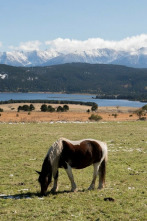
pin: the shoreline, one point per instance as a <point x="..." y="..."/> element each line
<point x="89" y="94"/>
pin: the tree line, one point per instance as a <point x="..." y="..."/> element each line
<point x="49" y="108"/>
<point x="43" y="108"/>
<point x="11" y="101"/>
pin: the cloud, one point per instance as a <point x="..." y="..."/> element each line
<point x="0" y="44"/>
<point x="28" y="46"/>
<point x="127" y="44"/>
<point x="130" y="44"/>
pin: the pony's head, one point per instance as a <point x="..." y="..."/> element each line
<point x="44" y="181"/>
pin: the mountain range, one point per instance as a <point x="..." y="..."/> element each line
<point x="136" y="58"/>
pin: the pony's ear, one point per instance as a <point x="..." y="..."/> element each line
<point x="38" y="172"/>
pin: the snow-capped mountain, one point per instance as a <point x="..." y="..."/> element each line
<point x="136" y="58"/>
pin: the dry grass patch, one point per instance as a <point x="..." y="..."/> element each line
<point x="75" y="113"/>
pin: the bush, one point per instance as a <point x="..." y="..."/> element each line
<point x="26" y="107"/>
<point x="44" y="107"/>
<point x="32" y="107"/>
<point x="60" y="109"/>
<point x="114" y="115"/>
<point x="144" y="108"/>
<point x="94" y="107"/>
<point x="139" y="113"/>
<point x="142" y="118"/>
<point x="95" y="117"/>
<point x="1" y="110"/>
<point x="66" y="107"/>
<point x="50" y="109"/>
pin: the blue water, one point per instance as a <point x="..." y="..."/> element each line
<point x="70" y="97"/>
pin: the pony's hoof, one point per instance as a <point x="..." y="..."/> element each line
<point x="100" y="187"/>
<point x="74" y="190"/>
<point x="91" y="188"/>
<point x="53" y="191"/>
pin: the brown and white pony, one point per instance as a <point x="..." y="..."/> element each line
<point x="69" y="154"/>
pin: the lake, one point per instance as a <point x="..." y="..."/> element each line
<point x="70" y="97"/>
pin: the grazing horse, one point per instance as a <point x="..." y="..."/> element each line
<point x="69" y="154"/>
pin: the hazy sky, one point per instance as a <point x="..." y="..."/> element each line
<point x="40" y="24"/>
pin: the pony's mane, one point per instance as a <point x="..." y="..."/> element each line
<point x="55" y="151"/>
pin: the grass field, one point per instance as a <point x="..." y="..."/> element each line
<point x="23" y="147"/>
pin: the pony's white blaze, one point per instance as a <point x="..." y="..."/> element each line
<point x="75" y="154"/>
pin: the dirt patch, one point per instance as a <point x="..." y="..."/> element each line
<point x="75" y="113"/>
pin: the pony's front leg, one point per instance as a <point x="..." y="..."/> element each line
<point x="95" y="174"/>
<point x="55" y="186"/>
<point x="71" y="178"/>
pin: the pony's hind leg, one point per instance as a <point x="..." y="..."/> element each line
<point x="95" y="173"/>
<point x="71" y="178"/>
<point x="102" y="173"/>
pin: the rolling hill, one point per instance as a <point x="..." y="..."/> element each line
<point x="101" y="79"/>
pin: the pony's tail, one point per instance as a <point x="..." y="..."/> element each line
<point x="102" y="169"/>
<point x="102" y="174"/>
<point x="106" y="153"/>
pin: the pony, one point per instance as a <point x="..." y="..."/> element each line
<point x="69" y="154"/>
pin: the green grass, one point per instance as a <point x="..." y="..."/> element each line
<point x="23" y="148"/>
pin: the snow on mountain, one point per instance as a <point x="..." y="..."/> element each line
<point x="15" y="58"/>
<point x="3" y="76"/>
<point x="137" y="58"/>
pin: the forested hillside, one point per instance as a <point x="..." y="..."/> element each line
<point x="101" y="79"/>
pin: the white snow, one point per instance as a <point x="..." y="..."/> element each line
<point x="97" y="55"/>
<point x="3" y="76"/>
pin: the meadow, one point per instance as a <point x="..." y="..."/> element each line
<point x="23" y="147"/>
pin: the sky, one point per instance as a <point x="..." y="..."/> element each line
<point x="72" y="24"/>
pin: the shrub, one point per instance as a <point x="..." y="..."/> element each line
<point x="94" y="107"/>
<point x="95" y="117"/>
<point x="66" y="107"/>
<point x="50" y="109"/>
<point x="144" y="108"/>
<point x="32" y="107"/>
<point x="26" y="107"/>
<point x="142" y="118"/>
<point x="114" y="115"/>
<point x="139" y="113"/>
<point x="60" y="109"/>
<point x="44" y="107"/>
<point x="1" y="110"/>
